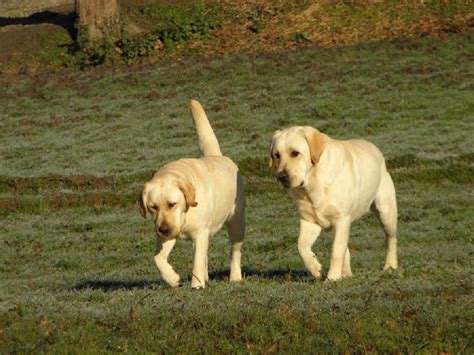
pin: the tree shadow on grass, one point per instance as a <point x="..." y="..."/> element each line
<point x="65" y="20"/>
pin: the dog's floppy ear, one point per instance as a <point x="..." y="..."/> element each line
<point x="316" y="142"/>
<point x="189" y="193"/>
<point x="275" y="136"/>
<point x="270" y="159"/>
<point x="141" y="204"/>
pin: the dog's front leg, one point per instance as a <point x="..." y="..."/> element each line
<point x="339" y="247"/>
<point x="309" y="232"/>
<point x="163" y="250"/>
<point x="200" y="244"/>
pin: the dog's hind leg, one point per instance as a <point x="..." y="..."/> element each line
<point x="385" y="209"/>
<point x="206" y="272"/>
<point x="309" y="232"/>
<point x="346" y="267"/>
<point x="236" y="229"/>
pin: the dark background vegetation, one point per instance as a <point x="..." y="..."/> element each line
<point x="157" y="30"/>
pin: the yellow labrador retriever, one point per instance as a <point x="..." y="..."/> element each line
<point x="192" y="199"/>
<point x="333" y="183"/>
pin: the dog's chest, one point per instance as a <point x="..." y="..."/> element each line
<point x="184" y="236"/>
<point x="307" y="210"/>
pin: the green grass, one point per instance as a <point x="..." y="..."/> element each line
<point x="76" y="268"/>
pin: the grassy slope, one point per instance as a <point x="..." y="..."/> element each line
<point x="76" y="271"/>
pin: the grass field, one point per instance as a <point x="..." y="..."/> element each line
<point x="76" y="268"/>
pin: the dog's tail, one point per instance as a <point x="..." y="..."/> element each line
<point x="207" y="139"/>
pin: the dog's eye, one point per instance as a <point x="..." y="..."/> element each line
<point x="171" y="205"/>
<point x="154" y="207"/>
<point x="277" y="155"/>
<point x="294" y="153"/>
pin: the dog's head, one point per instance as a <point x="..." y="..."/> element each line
<point x="167" y="198"/>
<point x="294" y="151"/>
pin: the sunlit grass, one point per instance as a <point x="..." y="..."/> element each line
<point x="76" y="268"/>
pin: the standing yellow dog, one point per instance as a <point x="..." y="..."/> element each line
<point x="334" y="182"/>
<point x="192" y="199"/>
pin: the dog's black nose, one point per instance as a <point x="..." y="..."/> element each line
<point x="284" y="178"/>
<point x="164" y="230"/>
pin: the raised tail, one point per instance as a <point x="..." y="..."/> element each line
<point x="207" y="139"/>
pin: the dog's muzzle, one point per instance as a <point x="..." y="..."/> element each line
<point x="163" y="230"/>
<point x="284" y="178"/>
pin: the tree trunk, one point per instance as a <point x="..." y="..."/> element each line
<point x="100" y="18"/>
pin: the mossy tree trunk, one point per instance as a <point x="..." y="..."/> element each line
<point x="99" y="19"/>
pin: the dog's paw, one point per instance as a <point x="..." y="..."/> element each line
<point x="317" y="274"/>
<point x="197" y="283"/>
<point x="316" y="271"/>
<point x="334" y="276"/>
<point x="391" y="261"/>
<point x="197" y="286"/>
<point x="346" y="273"/>
<point x="236" y="276"/>
<point x="172" y="279"/>
<point x="389" y="266"/>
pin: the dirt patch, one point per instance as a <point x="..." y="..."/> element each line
<point x="19" y="41"/>
<point x="451" y="173"/>
<point x="96" y="200"/>
<point x="83" y="181"/>
<point x="52" y="121"/>
<point x="25" y="40"/>
<point x="268" y="26"/>
<point x="9" y="204"/>
<point x="56" y="182"/>
<point x="58" y="201"/>
<point x="257" y="167"/>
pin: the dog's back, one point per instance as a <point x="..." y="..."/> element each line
<point x="207" y="139"/>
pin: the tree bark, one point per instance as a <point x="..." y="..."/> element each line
<point x="100" y="18"/>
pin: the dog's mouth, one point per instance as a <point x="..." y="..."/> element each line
<point x="165" y="237"/>
<point x="286" y="185"/>
<point x="165" y="233"/>
<point x="284" y="179"/>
